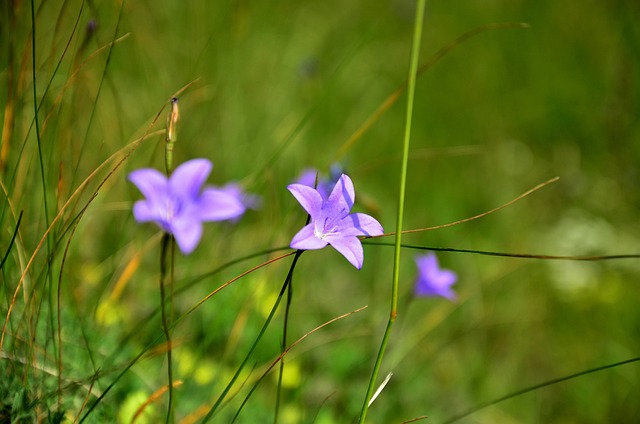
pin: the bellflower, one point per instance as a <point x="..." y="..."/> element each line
<point x="331" y="221"/>
<point x="432" y="280"/>
<point x="179" y="205"/>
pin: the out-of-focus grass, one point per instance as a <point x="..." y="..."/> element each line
<point x="501" y="113"/>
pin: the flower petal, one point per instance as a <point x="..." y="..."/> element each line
<point x="151" y="183"/>
<point x="189" y="177"/>
<point x="308" y="197"/>
<point x="359" y="224"/>
<point x="427" y="264"/>
<point x="446" y="278"/>
<point x="218" y="205"/>
<point x="340" y="201"/>
<point x="145" y="211"/>
<point x="306" y="239"/>
<point x="349" y="247"/>
<point x="424" y="288"/>
<point x="187" y="232"/>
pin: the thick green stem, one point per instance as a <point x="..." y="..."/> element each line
<point x="413" y="68"/>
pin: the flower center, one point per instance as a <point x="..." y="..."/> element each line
<point x="173" y="209"/>
<point x="322" y="231"/>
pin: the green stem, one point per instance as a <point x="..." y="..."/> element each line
<point x="536" y="387"/>
<point x="284" y="347"/>
<point x="167" y="242"/>
<point x="413" y="68"/>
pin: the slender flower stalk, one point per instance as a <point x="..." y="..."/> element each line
<point x="413" y="68"/>
<point x="166" y="255"/>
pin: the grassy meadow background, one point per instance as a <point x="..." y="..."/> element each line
<point x="280" y="86"/>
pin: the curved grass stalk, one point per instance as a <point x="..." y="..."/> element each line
<point x="515" y="255"/>
<point x="481" y="215"/>
<point x="536" y="387"/>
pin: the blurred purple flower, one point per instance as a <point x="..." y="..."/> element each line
<point x="179" y="205"/>
<point x="331" y="223"/>
<point x="325" y="185"/>
<point x="432" y="280"/>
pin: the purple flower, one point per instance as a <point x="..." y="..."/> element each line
<point x="179" y="205"/>
<point x="433" y="281"/>
<point x="325" y="184"/>
<point x="331" y="223"/>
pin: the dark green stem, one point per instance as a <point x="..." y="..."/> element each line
<point x="284" y="348"/>
<point x="514" y="255"/>
<point x="167" y="251"/>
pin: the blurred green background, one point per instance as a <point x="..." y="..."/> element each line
<point x="280" y="86"/>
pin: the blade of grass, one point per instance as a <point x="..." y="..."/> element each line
<point x="514" y="255"/>
<point x="43" y="178"/>
<point x="536" y="387"/>
<point x="13" y="239"/>
<point x="413" y="67"/>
